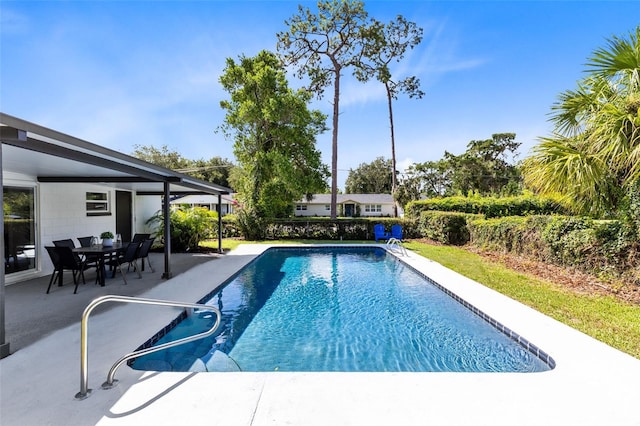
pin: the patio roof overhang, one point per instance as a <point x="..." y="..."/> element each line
<point x="52" y="156"/>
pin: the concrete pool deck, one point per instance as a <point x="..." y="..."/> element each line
<point x="592" y="384"/>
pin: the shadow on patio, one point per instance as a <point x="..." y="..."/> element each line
<point x="31" y="314"/>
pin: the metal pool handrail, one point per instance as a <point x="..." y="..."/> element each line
<point x="84" y="353"/>
<point x="396" y="243"/>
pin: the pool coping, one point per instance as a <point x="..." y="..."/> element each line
<point x="592" y="383"/>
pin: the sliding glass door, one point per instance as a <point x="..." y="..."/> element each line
<point x="19" y="229"/>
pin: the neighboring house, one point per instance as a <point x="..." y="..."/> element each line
<point x="207" y="201"/>
<point x="56" y="186"/>
<point x="348" y="205"/>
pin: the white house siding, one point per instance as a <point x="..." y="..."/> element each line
<point x="63" y="215"/>
<point x="145" y="207"/>
<point x="313" y="210"/>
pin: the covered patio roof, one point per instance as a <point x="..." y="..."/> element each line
<point x="52" y="156"/>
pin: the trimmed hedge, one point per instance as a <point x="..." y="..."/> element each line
<point x="488" y="206"/>
<point x="446" y="227"/>
<point x="318" y="228"/>
<point x="608" y="248"/>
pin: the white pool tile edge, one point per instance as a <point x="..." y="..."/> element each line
<point x="592" y="384"/>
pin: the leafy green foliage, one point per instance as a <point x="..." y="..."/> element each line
<point x="215" y="170"/>
<point x="445" y="227"/>
<point x="488" y="206"/>
<point x="274" y="136"/>
<point x="189" y="226"/>
<point x="370" y="178"/>
<point x="484" y="168"/>
<point x="593" y="156"/>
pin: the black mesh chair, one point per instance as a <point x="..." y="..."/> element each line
<point x="138" y="238"/>
<point x="143" y="253"/>
<point x="128" y="258"/>
<point x="90" y="260"/>
<point x="63" y="258"/>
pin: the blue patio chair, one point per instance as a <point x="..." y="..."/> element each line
<point x="396" y="232"/>
<point x="379" y="233"/>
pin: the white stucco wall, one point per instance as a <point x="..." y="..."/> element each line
<point x="145" y="207"/>
<point x="63" y="215"/>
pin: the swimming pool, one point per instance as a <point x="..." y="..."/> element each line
<point x="340" y="309"/>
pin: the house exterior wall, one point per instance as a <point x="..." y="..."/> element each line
<point x="145" y="207"/>
<point x="63" y="215"/>
<point x="320" y="210"/>
<point x="313" y="210"/>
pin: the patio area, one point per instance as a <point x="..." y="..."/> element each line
<point x="592" y="384"/>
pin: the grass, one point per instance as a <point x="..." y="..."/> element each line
<point x="605" y="318"/>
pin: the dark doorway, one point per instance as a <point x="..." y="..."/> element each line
<point x="349" y="210"/>
<point x="123" y="214"/>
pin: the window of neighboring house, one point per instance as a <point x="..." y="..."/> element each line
<point x="300" y="207"/>
<point x="327" y="207"/>
<point x="98" y="204"/>
<point x="373" y="208"/>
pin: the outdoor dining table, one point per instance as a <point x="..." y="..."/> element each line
<point x="104" y="252"/>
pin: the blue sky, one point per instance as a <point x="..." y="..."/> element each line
<point x="120" y="73"/>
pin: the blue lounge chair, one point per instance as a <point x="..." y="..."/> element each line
<point x="379" y="232"/>
<point x="396" y="232"/>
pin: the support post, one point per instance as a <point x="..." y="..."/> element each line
<point x="166" y="210"/>
<point x="4" y="345"/>
<point x="220" y="223"/>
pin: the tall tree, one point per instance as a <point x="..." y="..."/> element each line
<point x="274" y="136"/>
<point x="321" y="45"/>
<point x="592" y="157"/>
<point x="385" y="44"/>
<point x="370" y="178"/>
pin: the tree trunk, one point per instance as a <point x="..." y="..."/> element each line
<point x="393" y="152"/>
<point x="334" y="147"/>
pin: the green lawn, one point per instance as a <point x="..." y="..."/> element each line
<point x="605" y="318"/>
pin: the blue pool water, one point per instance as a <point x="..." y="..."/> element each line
<point x="337" y="309"/>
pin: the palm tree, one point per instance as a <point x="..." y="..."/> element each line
<point x="592" y="158"/>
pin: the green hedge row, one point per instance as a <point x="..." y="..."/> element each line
<point x="324" y="228"/>
<point x="445" y="227"/>
<point x="488" y="206"/>
<point x="602" y="247"/>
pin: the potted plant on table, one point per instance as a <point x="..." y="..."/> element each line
<point x="107" y="238"/>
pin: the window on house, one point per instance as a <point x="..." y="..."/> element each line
<point x="98" y="204"/>
<point x="327" y="207"/>
<point x="373" y="208"/>
<point x="19" y="229"/>
<point x="300" y="207"/>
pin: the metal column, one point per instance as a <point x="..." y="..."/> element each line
<point x="166" y="210"/>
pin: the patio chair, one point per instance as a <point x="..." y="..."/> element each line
<point x="68" y="243"/>
<point x="92" y="260"/>
<point x="129" y="258"/>
<point x="379" y="233"/>
<point x="396" y="232"/>
<point x="63" y="258"/>
<point x="143" y="253"/>
<point x="138" y="238"/>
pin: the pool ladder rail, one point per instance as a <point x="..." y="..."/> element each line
<point x="111" y="382"/>
<point x="395" y="245"/>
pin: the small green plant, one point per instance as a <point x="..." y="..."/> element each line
<point x="189" y="226"/>
<point x="106" y="234"/>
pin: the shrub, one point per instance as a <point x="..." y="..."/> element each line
<point x="189" y="226"/>
<point x="516" y="234"/>
<point x="445" y="227"/>
<point x="488" y="206"/>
